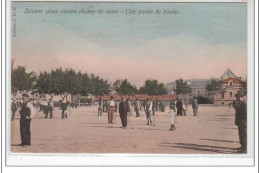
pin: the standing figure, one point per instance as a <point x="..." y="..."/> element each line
<point x="179" y="107"/>
<point x="116" y="105"/>
<point x="27" y="111"/>
<point x="50" y="108"/>
<point x="13" y="109"/>
<point x="195" y="106"/>
<point x="184" y="108"/>
<point x="63" y="108"/>
<point x="111" y="110"/>
<point x="123" y="109"/>
<point x="171" y="114"/>
<point x="148" y="109"/>
<point x="137" y="106"/>
<point x="241" y="121"/>
<point x="100" y="105"/>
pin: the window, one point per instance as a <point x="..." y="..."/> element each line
<point x="230" y="83"/>
<point x="221" y="95"/>
<point x="230" y="94"/>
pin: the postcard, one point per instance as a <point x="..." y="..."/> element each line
<point x="130" y="83"/>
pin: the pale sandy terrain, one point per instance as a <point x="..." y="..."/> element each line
<point x="212" y="132"/>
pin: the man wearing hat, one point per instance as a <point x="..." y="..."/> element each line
<point x="26" y="112"/>
<point x="241" y="120"/>
<point x="148" y="110"/>
<point x="13" y="109"/>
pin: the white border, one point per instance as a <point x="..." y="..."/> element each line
<point x="131" y="159"/>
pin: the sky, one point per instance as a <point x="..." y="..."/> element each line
<point x="201" y="41"/>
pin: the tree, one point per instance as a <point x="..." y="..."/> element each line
<point x="152" y="87"/>
<point x="98" y="86"/>
<point x="182" y="87"/>
<point x="124" y="87"/>
<point x="213" y="86"/>
<point x="21" y="80"/>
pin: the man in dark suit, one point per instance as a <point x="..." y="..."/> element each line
<point x="241" y="121"/>
<point x="179" y="107"/>
<point x="123" y="109"/>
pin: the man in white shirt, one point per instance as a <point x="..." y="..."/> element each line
<point x="111" y="109"/>
<point x="148" y="109"/>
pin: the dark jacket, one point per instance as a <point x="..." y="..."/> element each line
<point x="25" y="111"/>
<point x="123" y="108"/>
<point x="179" y="104"/>
<point x="241" y="112"/>
<point x="13" y="107"/>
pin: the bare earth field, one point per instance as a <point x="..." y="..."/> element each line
<point x="212" y="132"/>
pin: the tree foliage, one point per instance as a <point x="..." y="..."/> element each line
<point x="124" y="87"/>
<point x="21" y="80"/>
<point x="213" y="86"/>
<point x="152" y="87"/>
<point x="182" y="87"/>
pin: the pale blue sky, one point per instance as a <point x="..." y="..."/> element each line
<point x="201" y="37"/>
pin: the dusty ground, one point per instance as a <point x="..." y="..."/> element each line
<point x="212" y="132"/>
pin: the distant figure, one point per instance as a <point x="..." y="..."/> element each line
<point x="27" y="111"/>
<point x="66" y="112"/>
<point x="111" y="110"/>
<point x="123" y="109"/>
<point x="100" y="105"/>
<point x="195" y="106"/>
<point x="179" y="107"/>
<point x="63" y="108"/>
<point x="13" y="109"/>
<point x="50" y="108"/>
<point x="116" y="105"/>
<point x="184" y="108"/>
<point x="130" y="107"/>
<point x="45" y="107"/>
<point x="137" y="106"/>
<point x="171" y="115"/>
<point x="241" y="121"/>
<point x="148" y="109"/>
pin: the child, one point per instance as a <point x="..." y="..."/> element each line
<point x="171" y="114"/>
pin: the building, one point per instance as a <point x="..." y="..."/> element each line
<point x="226" y="95"/>
<point x="197" y="86"/>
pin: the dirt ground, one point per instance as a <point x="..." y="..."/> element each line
<point x="211" y="132"/>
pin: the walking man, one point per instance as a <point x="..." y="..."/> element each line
<point x="111" y="110"/>
<point x="123" y="109"/>
<point x="241" y="121"/>
<point x="27" y="111"/>
<point x="63" y="108"/>
<point x="195" y="106"/>
<point x="13" y="109"/>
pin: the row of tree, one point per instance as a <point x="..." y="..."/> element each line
<point x="63" y="82"/>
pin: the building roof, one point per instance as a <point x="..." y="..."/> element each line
<point x="234" y="80"/>
<point x="228" y="74"/>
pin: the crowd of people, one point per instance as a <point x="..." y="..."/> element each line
<point x="149" y="106"/>
<point x="124" y="107"/>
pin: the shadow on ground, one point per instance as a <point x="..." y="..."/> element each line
<point x="197" y="147"/>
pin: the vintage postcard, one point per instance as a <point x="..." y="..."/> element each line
<point x="130" y="83"/>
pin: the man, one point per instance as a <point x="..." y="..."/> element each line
<point x="100" y="105"/>
<point x="195" y="106"/>
<point x="148" y="109"/>
<point x="50" y="108"/>
<point x="63" y="108"/>
<point x="111" y="110"/>
<point x="137" y="106"/>
<point x="45" y="107"/>
<point x="13" y="109"/>
<point x="123" y="109"/>
<point x="179" y="107"/>
<point x="26" y="112"/>
<point x="241" y="121"/>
